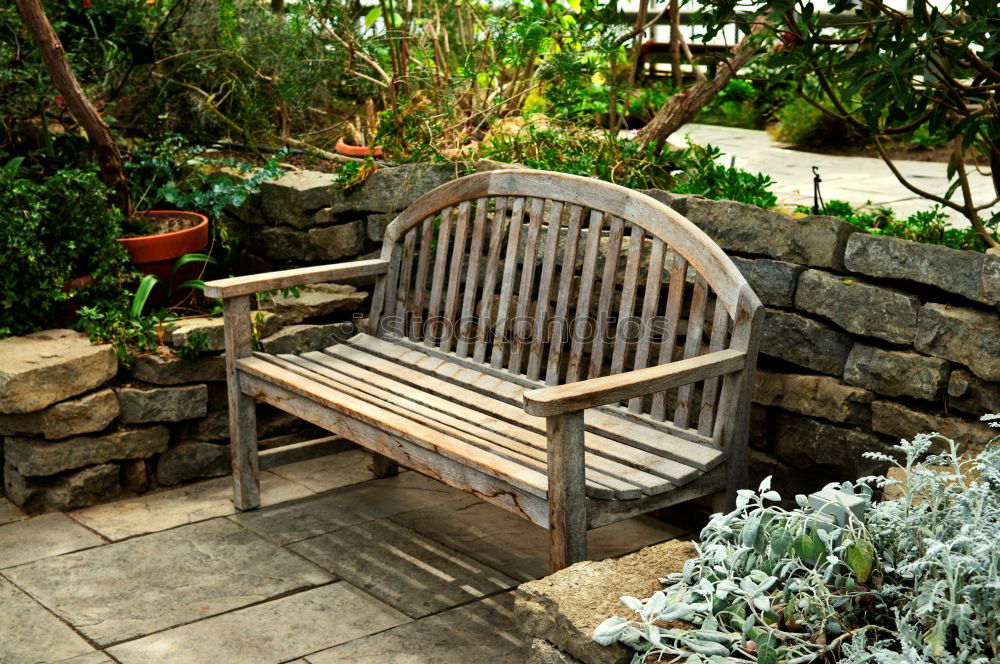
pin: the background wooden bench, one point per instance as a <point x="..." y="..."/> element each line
<point x="568" y="349"/>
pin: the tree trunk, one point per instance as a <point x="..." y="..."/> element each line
<point x="54" y="57"/>
<point x="675" y="43"/>
<point x="683" y="106"/>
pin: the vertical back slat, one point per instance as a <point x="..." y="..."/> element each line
<point x="627" y="306"/>
<point x="582" y="315"/>
<point x="544" y="286"/>
<point x="522" y="327"/>
<point x="507" y="282"/>
<point x="440" y="269"/>
<point x="612" y="255"/>
<point x="383" y="297"/>
<point x="392" y="324"/>
<point x="489" y="281"/>
<point x="455" y="276"/>
<point x="710" y="389"/>
<point x="560" y="325"/>
<point x="672" y="318"/>
<point x="692" y="347"/>
<point x="472" y="278"/>
<point x="403" y="292"/>
<point x="650" y="301"/>
<point x="420" y="285"/>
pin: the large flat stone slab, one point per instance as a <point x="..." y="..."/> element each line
<point x="208" y="331"/>
<point x="517" y="547"/>
<point x="161" y="510"/>
<point x="66" y="491"/>
<point x="329" y="472"/>
<point x="352" y="505"/>
<point x="40" y="369"/>
<point x="315" y="301"/>
<point x="29" y="634"/>
<point x="86" y="414"/>
<point x="409" y="572"/>
<point x="34" y="457"/>
<point x="480" y="632"/>
<point x="162" y="404"/>
<point x="128" y="589"/>
<point x="42" y="537"/>
<point x="564" y="608"/>
<point x="273" y="632"/>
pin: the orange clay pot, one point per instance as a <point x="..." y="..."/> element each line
<point x="171" y="245"/>
<point x="358" y="151"/>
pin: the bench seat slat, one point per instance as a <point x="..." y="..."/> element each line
<point x="445" y="400"/>
<point x="665" y="470"/>
<point x="600" y="486"/>
<point x="636" y="432"/>
<point x="448" y="446"/>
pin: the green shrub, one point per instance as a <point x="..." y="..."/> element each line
<point x="801" y="123"/>
<point x="735" y="106"/>
<point x="927" y="226"/>
<point x="593" y="153"/>
<point x="703" y="175"/>
<point x="52" y="231"/>
<point x="913" y="580"/>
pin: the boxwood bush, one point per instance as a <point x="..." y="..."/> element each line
<point x="54" y="230"/>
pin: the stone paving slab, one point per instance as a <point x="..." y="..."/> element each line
<point x="191" y="503"/>
<point x="269" y="633"/>
<point x="132" y="588"/>
<point x="350" y="506"/>
<point x="410" y="572"/>
<point x="481" y="632"/>
<point x="9" y="511"/>
<point x="329" y="472"/>
<point x="42" y="537"/>
<point x="30" y="634"/>
<point x="517" y="547"/>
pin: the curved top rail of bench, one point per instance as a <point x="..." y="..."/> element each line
<point x="682" y="236"/>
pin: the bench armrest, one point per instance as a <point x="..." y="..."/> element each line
<point x="562" y="399"/>
<point x="254" y="283"/>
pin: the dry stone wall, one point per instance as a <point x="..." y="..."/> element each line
<point x="868" y="339"/>
<point x="79" y="429"/>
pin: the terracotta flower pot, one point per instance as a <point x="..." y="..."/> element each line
<point x="358" y="151"/>
<point x="156" y="254"/>
<point x="192" y="236"/>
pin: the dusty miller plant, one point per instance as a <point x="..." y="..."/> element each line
<point x="915" y="580"/>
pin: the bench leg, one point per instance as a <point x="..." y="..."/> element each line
<point x="567" y="497"/>
<point x="242" y="408"/>
<point x="383" y="466"/>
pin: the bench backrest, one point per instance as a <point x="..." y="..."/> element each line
<point x="558" y="278"/>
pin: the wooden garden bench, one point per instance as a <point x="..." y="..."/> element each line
<point x="525" y="347"/>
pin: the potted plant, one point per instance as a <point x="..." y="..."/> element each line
<point x="154" y="238"/>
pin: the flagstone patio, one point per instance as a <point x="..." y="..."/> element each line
<point x="336" y="567"/>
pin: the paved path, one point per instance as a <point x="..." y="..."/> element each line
<point x="337" y="567"/>
<point x="856" y="180"/>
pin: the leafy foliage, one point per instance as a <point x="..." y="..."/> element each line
<point x="886" y="73"/>
<point x="929" y="226"/>
<point x="915" y="580"/>
<point x="704" y="176"/>
<point x="51" y="232"/>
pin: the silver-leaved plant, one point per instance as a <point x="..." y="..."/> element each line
<point x="915" y="580"/>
